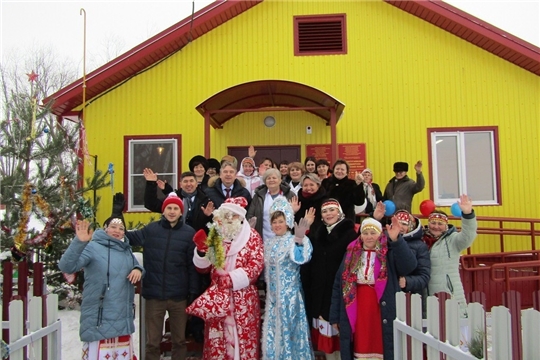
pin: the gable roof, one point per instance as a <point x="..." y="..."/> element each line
<point x="147" y="54"/>
<point x="475" y="31"/>
<point x="174" y="38"/>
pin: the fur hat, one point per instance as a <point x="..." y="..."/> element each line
<point x="401" y="166"/>
<point x="213" y="163"/>
<point x="370" y="223"/>
<point x="282" y="204"/>
<point x="198" y="159"/>
<point x="236" y="205"/>
<point x="173" y="199"/>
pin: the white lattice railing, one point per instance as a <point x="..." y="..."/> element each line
<point x="443" y="331"/>
<point x="26" y="338"/>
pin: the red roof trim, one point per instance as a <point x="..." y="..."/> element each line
<point x="475" y="31"/>
<point x="170" y="40"/>
<point x="147" y="53"/>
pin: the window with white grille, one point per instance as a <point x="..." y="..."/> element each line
<point x="159" y="153"/>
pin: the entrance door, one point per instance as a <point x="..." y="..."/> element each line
<point x="276" y="153"/>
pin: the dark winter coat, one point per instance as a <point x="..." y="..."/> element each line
<point x="194" y="217"/>
<point x="401" y="191"/>
<point x="107" y="263"/>
<point x="347" y="192"/>
<point x="318" y="275"/>
<point x="418" y="280"/>
<point x="168" y="260"/>
<point x="215" y="193"/>
<point x="400" y="262"/>
<point x="314" y="201"/>
<point x="256" y="208"/>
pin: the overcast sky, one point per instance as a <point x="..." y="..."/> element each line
<point x="113" y="27"/>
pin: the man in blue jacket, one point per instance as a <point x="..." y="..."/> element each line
<point x="171" y="279"/>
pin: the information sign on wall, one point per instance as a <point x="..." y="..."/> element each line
<point x="353" y="153"/>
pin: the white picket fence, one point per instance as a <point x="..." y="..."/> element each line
<point x="26" y="337"/>
<point x="428" y="331"/>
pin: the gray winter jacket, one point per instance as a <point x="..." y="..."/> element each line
<point x="445" y="255"/>
<point x="107" y="308"/>
<point x="256" y="208"/>
<point x="401" y="191"/>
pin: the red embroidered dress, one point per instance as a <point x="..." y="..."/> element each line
<point x="364" y="281"/>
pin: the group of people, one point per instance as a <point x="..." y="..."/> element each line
<point x="329" y="283"/>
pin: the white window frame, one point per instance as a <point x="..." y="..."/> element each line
<point x="461" y="164"/>
<point x="130" y="175"/>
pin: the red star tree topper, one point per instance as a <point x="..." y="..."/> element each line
<point x="32" y="76"/>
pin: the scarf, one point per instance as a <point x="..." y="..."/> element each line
<point x="429" y="239"/>
<point x="307" y="195"/>
<point x="329" y="228"/>
<point x="370" y="194"/>
<point x="189" y="200"/>
<point x="353" y="262"/>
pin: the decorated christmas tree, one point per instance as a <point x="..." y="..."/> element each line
<point x="41" y="189"/>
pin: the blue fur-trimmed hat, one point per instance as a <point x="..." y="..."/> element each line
<point x="282" y="204"/>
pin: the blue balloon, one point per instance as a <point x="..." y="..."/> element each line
<point x="390" y="208"/>
<point x="456" y="211"/>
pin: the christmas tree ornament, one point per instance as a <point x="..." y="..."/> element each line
<point x="34" y="191"/>
<point x="32" y="76"/>
<point x="46" y="130"/>
<point x="22" y="226"/>
<point x="84" y="208"/>
<point x="111" y="172"/>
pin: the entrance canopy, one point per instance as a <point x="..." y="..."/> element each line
<point x="269" y="95"/>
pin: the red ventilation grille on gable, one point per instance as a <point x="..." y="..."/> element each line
<point x="320" y="35"/>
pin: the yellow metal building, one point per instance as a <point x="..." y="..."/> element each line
<point x="416" y="80"/>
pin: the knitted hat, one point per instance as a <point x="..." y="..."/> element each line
<point x="401" y="166"/>
<point x="370" y="223"/>
<point x="173" y="199"/>
<point x="281" y="204"/>
<point x="236" y="205"/>
<point x="198" y="159"/>
<point x="368" y="170"/>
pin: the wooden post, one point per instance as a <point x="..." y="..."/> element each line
<point x="512" y="300"/>
<point x="7" y="291"/>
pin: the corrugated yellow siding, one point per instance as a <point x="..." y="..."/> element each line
<point x="401" y="76"/>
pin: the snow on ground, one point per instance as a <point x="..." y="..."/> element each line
<point x="71" y="343"/>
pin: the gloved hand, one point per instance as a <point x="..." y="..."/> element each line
<point x="300" y="230"/>
<point x="118" y="205"/>
<point x="200" y="241"/>
<point x="222" y="279"/>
